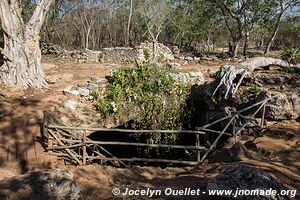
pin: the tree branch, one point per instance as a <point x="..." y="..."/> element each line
<point x="39" y="15"/>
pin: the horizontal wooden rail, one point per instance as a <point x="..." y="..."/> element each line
<point x="213" y="131"/>
<point x="123" y="130"/>
<point x="183" y="162"/>
<point x="64" y="147"/>
<point x="138" y="144"/>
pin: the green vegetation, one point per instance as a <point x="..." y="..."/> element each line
<point x="255" y="91"/>
<point x="292" y="55"/>
<point x="152" y="98"/>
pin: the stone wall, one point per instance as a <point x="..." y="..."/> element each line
<point x="121" y="55"/>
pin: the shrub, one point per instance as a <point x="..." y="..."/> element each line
<point x="153" y="97"/>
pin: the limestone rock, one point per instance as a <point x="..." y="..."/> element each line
<point x="196" y="78"/>
<point x="180" y="77"/>
<point x="283" y="106"/>
<point x="70" y="90"/>
<point x="49" y="185"/>
<point x="162" y="50"/>
<point x="93" y="55"/>
<point x="237" y="152"/>
<point x="70" y="104"/>
<point x="246" y="177"/>
<point x="121" y="55"/>
<point x="85" y="89"/>
<point x="189" y="58"/>
<point x="176" y="51"/>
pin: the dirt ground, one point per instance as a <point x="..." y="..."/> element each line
<point x="21" y="112"/>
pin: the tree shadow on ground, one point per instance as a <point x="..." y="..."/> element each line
<point x="19" y="129"/>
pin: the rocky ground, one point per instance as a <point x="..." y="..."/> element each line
<point x="276" y="152"/>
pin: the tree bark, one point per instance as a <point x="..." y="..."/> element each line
<point x="22" y="54"/>
<point x="129" y="24"/>
<point x="235" y="48"/>
<point x="231" y="76"/>
<point x="283" y="7"/>
<point x="246" y="43"/>
<point x="276" y="29"/>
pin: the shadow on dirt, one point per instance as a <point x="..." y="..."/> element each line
<point x="19" y="129"/>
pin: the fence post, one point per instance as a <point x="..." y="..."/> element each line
<point x="198" y="145"/>
<point x="84" y="149"/>
<point x="45" y="132"/>
<point x="263" y="116"/>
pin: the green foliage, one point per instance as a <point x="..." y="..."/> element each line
<point x="255" y="91"/>
<point x="155" y="100"/>
<point x="147" y="54"/>
<point x="27" y="9"/>
<point x="290" y="70"/>
<point x="291" y="55"/>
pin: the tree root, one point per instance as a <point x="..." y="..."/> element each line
<point x="229" y="73"/>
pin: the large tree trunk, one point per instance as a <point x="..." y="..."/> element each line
<point x="246" y="43"/>
<point x="22" y="64"/>
<point x="234" y="48"/>
<point x="22" y="54"/>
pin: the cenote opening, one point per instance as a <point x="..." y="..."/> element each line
<point x="200" y="117"/>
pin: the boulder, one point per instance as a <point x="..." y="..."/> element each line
<point x="48" y="48"/>
<point x="180" y="77"/>
<point x="237" y="152"/>
<point x="94" y="55"/>
<point x="162" y="51"/>
<point x="49" y="185"/>
<point x="248" y="178"/>
<point x="283" y="106"/>
<point x="70" y="104"/>
<point x="189" y="58"/>
<point x="194" y="78"/>
<point x="70" y="90"/>
<point x="85" y="89"/>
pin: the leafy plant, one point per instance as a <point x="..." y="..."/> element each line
<point x="255" y="91"/>
<point x="155" y="100"/>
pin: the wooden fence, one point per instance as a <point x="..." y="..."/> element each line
<point x="73" y="144"/>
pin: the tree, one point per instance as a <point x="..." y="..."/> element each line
<point x="87" y="13"/>
<point x="282" y="6"/>
<point x="195" y="22"/>
<point x="21" y="52"/>
<point x="129" y="23"/>
<point x="240" y="17"/>
<point x="155" y="13"/>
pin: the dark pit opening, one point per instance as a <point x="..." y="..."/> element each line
<point x="200" y="117"/>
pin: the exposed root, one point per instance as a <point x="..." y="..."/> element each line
<point x="229" y="73"/>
